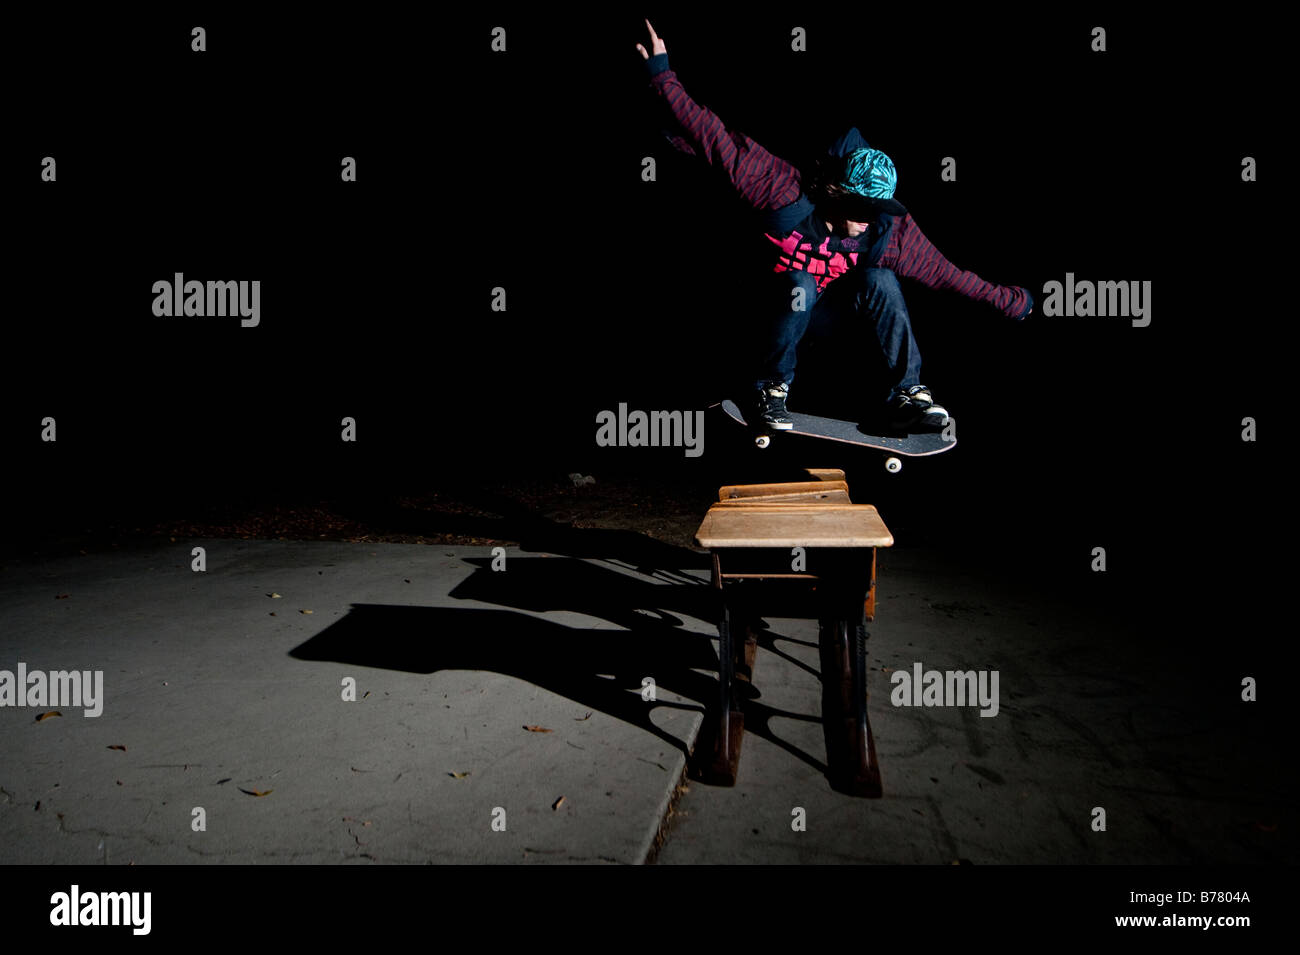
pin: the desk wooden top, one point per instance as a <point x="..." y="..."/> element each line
<point x="801" y="525"/>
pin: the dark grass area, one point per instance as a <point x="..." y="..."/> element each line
<point x="1023" y="538"/>
<point x="483" y="513"/>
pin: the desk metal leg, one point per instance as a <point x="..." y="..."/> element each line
<point x="865" y="779"/>
<point x="850" y="746"/>
<point x="730" y="726"/>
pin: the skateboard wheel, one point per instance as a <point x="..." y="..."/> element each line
<point x="893" y="465"/>
<point x="762" y="441"/>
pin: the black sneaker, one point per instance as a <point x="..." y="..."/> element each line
<point x="769" y="405"/>
<point x="914" y="410"/>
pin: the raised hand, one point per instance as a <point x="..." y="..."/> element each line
<point x="656" y="44"/>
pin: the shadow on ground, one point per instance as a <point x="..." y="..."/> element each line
<point x="599" y="668"/>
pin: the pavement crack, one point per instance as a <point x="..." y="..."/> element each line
<point x="595" y="859"/>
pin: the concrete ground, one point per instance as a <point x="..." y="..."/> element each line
<point x="1097" y="710"/>
<point x="216" y="690"/>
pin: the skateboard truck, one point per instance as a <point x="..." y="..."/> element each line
<point x="892" y="464"/>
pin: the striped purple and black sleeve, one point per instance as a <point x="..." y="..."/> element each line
<point x="765" y="181"/>
<point x="911" y="255"/>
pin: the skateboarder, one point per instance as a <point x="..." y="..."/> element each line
<point x="839" y="245"/>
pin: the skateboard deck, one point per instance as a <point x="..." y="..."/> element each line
<point x="832" y="429"/>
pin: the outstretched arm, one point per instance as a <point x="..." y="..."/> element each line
<point x="765" y="181"/>
<point x="911" y="255"/>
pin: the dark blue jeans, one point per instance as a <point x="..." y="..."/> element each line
<point x="864" y="311"/>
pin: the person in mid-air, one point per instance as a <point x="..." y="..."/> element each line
<point x="839" y="244"/>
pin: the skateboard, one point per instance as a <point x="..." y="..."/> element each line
<point x="896" y="446"/>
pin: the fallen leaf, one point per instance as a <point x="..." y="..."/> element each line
<point x="458" y="775"/>
<point x="538" y="729"/>
<point x="255" y="792"/>
<point x="556" y="805"/>
<point x="274" y="596"/>
<point x="581" y="719"/>
<point x="46" y="716"/>
<point x="306" y="611"/>
<point x="122" y="748"/>
<point x="226" y="780"/>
